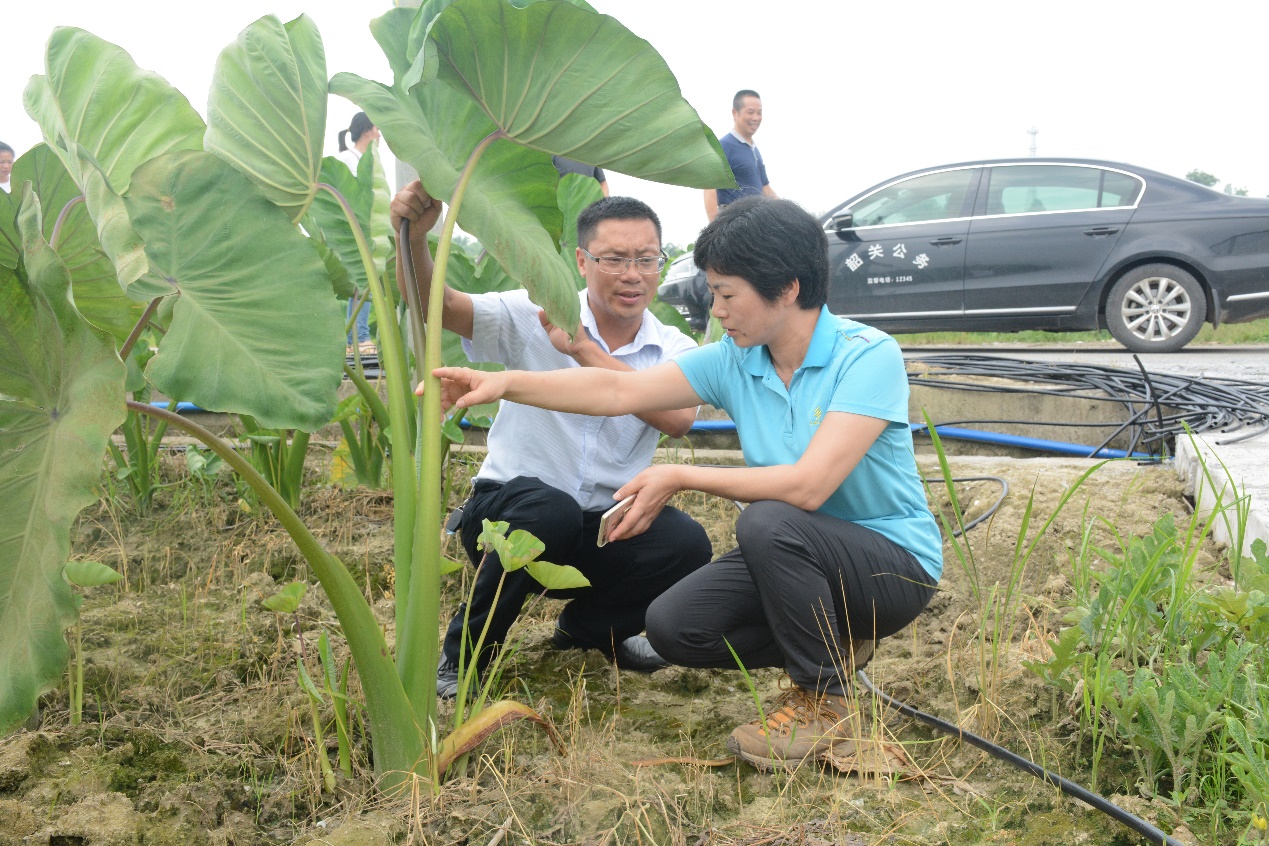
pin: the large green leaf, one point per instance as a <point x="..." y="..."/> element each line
<point x="93" y="281"/>
<point x="103" y="116"/>
<point x="571" y="82"/>
<point x="256" y="329"/>
<point x="510" y="202"/>
<point x="61" y="395"/>
<point x="267" y="109"/>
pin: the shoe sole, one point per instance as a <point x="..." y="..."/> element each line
<point x="766" y="765"/>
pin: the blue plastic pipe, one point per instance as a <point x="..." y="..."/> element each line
<point x="954" y="432"/>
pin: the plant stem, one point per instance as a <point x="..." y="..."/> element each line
<point x="403" y="467"/>
<point x="396" y="737"/>
<point x="56" y="234"/>
<point x="416" y="641"/>
<point x="131" y="341"/>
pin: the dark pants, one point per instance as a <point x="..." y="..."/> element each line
<point x="796" y="590"/>
<point x="625" y="576"/>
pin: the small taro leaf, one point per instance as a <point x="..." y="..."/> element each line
<point x="449" y="565"/>
<point x="61" y="397"/>
<point x="575" y="193"/>
<point x="327" y="212"/>
<point x="492" y="534"/>
<point x="266" y="111"/>
<point x="202" y="464"/>
<point x="255" y="329"/>
<point x="90" y="573"/>
<point x="557" y="576"/>
<point x="511" y="196"/>
<point x="520" y="548"/>
<point x="287" y="600"/>
<point x="451" y="431"/>
<point x="574" y="83"/>
<point x="95" y="105"/>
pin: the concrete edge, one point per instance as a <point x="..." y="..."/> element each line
<point x="1208" y="481"/>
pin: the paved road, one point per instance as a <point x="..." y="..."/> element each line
<point x="1250" y="363"/>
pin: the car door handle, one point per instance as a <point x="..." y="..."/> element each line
<point x="945" y="242"/>
<point x="1101" y="231"/>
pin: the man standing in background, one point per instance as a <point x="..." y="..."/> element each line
<point x="742" y="154"/>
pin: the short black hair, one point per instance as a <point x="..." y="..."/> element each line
<point x="738" y="102"/>
<point x="768" y="243"/>
<point x="613" y="208"/>
<point x="5" y="148"/>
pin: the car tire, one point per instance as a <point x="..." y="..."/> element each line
<point x="1156" y="308"/>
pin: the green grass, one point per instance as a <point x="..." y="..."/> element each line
<point x="1255" y="332"/>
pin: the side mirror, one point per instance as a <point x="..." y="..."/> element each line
<point x="842" y="224"/>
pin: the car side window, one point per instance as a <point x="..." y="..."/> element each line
<point x="1026" y="189"/>
<point x="932" y="196"/>
<point x="1119" y="189"/>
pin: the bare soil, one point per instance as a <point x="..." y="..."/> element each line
<point x="196" y="732"/>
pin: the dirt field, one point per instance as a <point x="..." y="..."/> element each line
<point x="196" y="731"/>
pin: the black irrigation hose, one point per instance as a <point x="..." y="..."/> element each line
<point x="1070" y="788"/>
<point x="1223" y="405"/>
<point x="1004" y="492"/>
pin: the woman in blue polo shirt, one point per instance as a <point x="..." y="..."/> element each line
<point x="838" y="547"/>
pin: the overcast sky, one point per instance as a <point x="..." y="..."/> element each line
<point x="853" y="93"/>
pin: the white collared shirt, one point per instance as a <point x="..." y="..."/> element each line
<point x="586" y="457"/>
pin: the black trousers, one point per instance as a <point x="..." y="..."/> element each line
<point x="798" y="587"/>
<point x="625" y="576"/>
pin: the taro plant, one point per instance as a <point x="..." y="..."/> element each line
<point x="196" y="226"/>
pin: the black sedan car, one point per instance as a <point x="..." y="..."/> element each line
<point x="1052" y="244"/>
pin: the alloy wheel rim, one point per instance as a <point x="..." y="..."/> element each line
<point x="1156" y="309"/>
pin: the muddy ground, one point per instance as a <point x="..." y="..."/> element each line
<point x="195" y="730"/>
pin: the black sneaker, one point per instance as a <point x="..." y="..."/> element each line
<point x="446" y="679"/>
<point x="633" y="653"/>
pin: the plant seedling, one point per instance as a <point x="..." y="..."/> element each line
<point x="84" y="574"/>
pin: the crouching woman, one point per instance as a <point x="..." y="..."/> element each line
<point x="837" y="548"/>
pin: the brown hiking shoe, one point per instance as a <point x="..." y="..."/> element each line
<point x="803" y="726"/>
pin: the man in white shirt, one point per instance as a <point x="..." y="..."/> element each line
<point x="554" y="474"/>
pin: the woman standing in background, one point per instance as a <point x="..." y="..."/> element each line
<point x="362" y="133"/>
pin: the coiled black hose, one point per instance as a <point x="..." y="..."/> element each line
<point x="1222" y="405"/>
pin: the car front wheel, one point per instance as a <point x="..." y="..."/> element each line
<point x="1156" y="308"/>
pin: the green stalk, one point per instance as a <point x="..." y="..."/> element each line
<point x="371" y="396"/>
<point x="293" y="472"/>
<point x="403" y="468"/>
<point x="416" y="643"/>
<point x="396" y="738"/>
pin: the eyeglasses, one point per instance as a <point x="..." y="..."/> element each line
<point x="618" y="264"/>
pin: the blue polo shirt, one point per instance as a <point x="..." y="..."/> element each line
<point x="746" y="165"/>
<point x="849" y="367"/>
